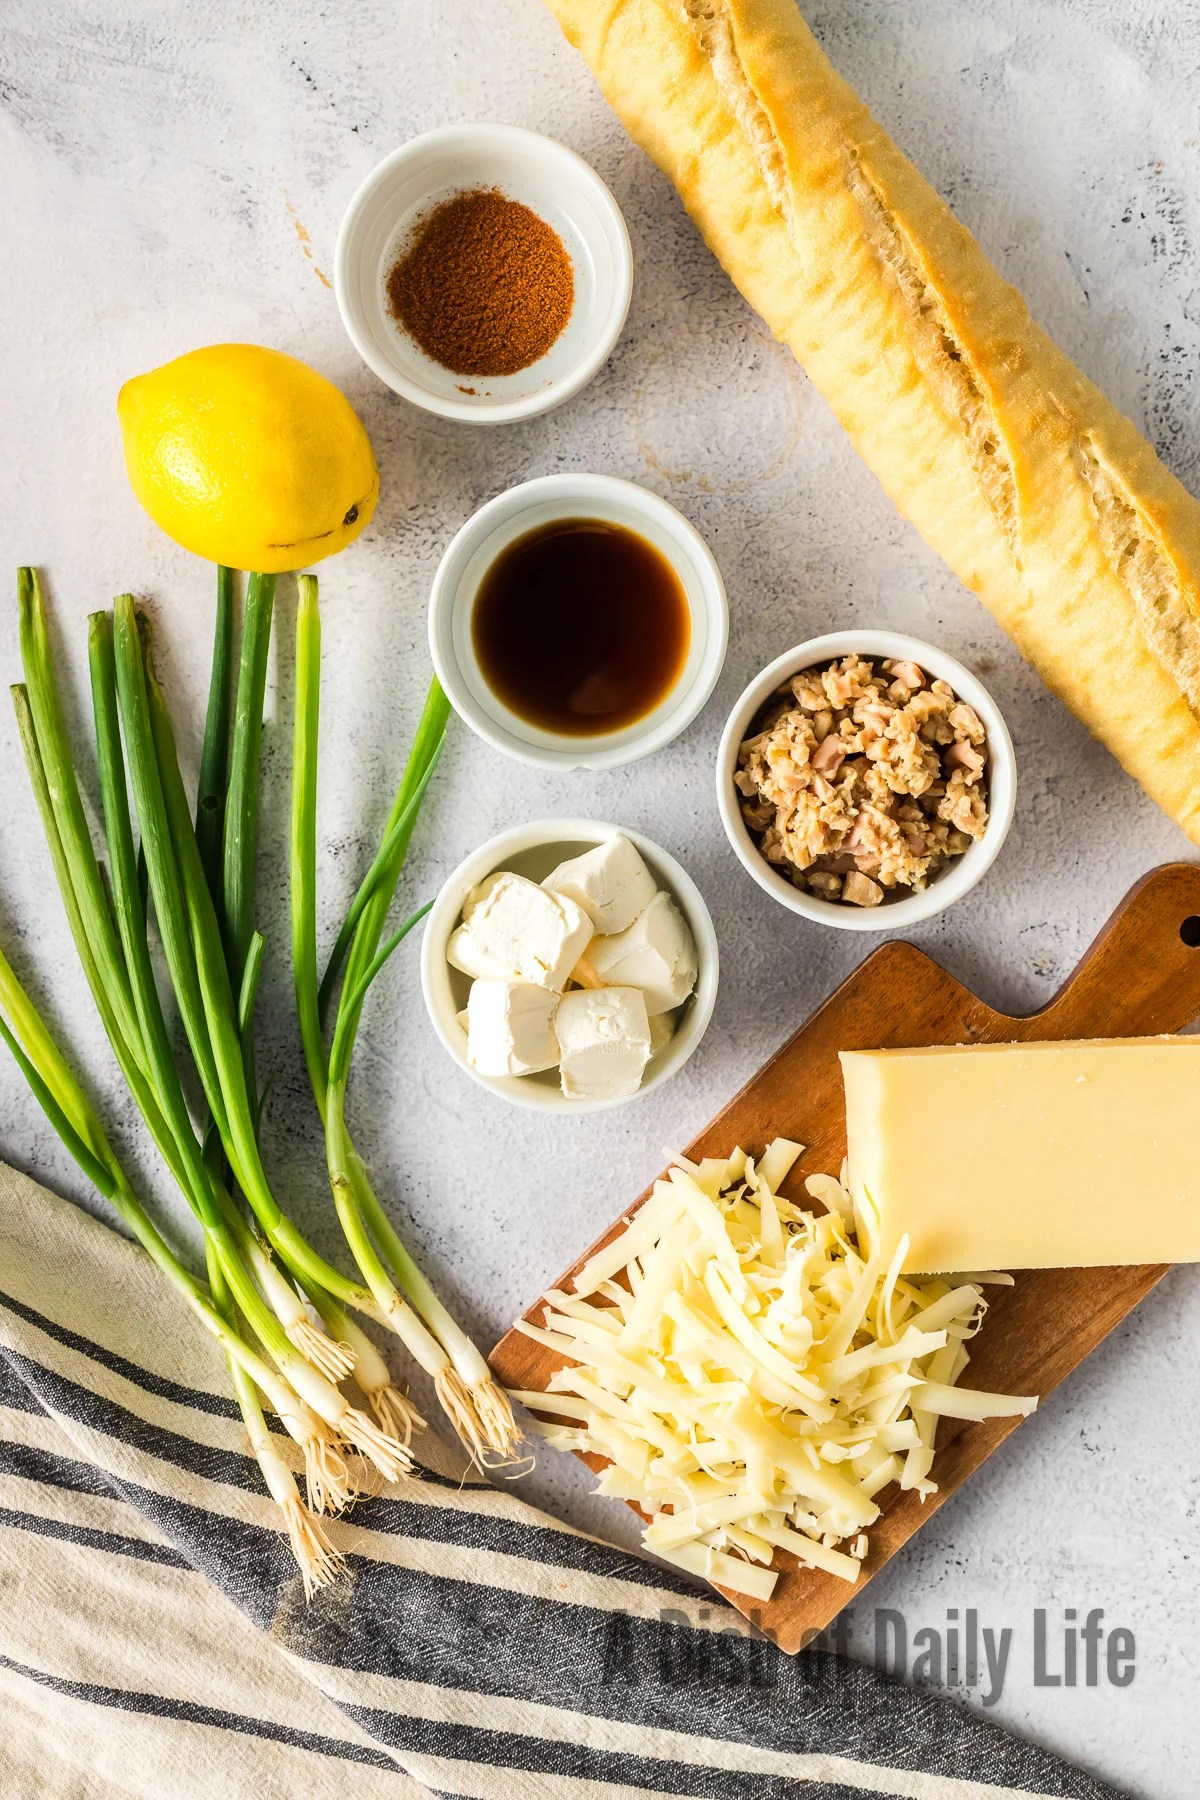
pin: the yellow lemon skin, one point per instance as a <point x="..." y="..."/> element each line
<point x="248" y="457"/>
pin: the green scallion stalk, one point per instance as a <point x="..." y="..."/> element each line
<point x="241" y="806"/>
<point x="67" y="805"/>
<point x="192" y="941"/>
<point x="151" y="744"/>
<point x="303" y="839"/>
<point x="393" y="840"/>
<point x="214" y="756"/>
<point x="130" y="1068"/>
<point x="392" y="1308"/>
<point x="146" y="1062"/>
<point x="131" y="919"/>
<point x="62" y="1100"/>
<point x="156" y="1044"/>
<point x="431" y="730"/>
<point x="144" y="1059"/>
<point x="478" y="1409"/>
<point x="327" y="1356"/>
<point x="350" y="1012"/>
<point x="110" y="931"/>
<point x="248" y="996"/>
<point x="236" y="909"/>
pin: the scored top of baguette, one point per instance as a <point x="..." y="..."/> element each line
<point x="1039" y="494"/>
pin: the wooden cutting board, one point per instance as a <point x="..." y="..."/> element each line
<point x="1142" y="975"/>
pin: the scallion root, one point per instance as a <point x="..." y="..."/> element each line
<point x="327" y="1479"/>
<point x="335" y="1360"/>
<point x="319" y="1563"/>
<point x="395" y="1413"/>
<point x="459" y="1408"/>
<point x="482" y="1416"/>
<point x="393" y="1409"/>
<point x="500" y="1430"/>
<point x="382" y="1450"/>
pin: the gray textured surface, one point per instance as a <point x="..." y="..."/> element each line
<point x="162" y="167"/>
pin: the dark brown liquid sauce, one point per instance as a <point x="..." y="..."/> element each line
<point x="581" y="627"/>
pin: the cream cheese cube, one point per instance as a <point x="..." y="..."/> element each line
<point x="510" y="1028"/>
<point x="656" y="953"/>
<point x="662" y="1030"/>
<point x="611" y="883"/>
<point x="480" y="891"/>
<point x="514" y="930"/>
<point x="603" y="1042"/>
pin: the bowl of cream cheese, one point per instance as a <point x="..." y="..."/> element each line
<point x="570" y="965"/>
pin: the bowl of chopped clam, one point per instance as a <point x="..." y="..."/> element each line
<point x="866" y="780"/>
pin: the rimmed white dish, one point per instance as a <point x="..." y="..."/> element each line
<point x="534" y="850"/>
<point x="555" y="184"/>
<point x="961" y="874"/>
<point x="508" y="517"/>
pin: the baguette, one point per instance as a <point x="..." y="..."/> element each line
<point x="1036" y="491"/>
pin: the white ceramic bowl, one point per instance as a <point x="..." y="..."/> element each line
<point x="509" y="516"/>
<point x="962" y="872"/>
<point x="533" y="850"/>
<point x="555" y="184"/>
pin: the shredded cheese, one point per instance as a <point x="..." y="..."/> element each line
<point x="753" y="1379"/>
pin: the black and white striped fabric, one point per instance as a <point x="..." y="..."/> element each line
<point x="155" y="1641"/>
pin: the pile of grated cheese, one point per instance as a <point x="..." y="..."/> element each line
<point x="753" y="1377"/>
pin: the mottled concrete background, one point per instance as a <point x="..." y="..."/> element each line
<point x="175" y="176"/>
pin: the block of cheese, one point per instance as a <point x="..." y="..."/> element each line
<point x="1029" y="1156"/>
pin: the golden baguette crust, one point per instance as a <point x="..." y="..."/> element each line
<point x="1035" y="490"/>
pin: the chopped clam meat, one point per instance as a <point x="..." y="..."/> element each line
<point x="868" y="773"/>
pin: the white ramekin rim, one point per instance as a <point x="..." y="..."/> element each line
<point x="523" y="1091"/>
<point x="352" y="273"/>
<point x="581" y="494"/>
<point x="962" y="874"/>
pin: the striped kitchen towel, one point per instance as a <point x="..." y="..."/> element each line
<point x="155" y="1641"/>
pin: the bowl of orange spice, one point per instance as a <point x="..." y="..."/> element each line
<point x="484" y="272"/>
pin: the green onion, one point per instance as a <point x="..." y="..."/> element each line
<point x="216" y="1028"/>
<point x="130" y="1068"/>
<point x="197" y="869"/>
<point x="393" y="840"/>
<point x="111" y="939"/>
<point x="90" y="898"/>
<point x="62" y="1100"/>
<point x="345" y="1173"/>
<point x="339" y="1055"/>
<point x="478" y="1409"/>
<point x="250" y="978"/>
<point x="241" y="807"/>
<point x="431" y="730"/>
<point x="221" y="1223"/>
<point x="304" y="833"/>
<point x="214" y="757"/>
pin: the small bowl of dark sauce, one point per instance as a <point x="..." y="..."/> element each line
<point x="578" y="621"/>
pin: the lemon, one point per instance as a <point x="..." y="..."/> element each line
<point x="248" y="457"/>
